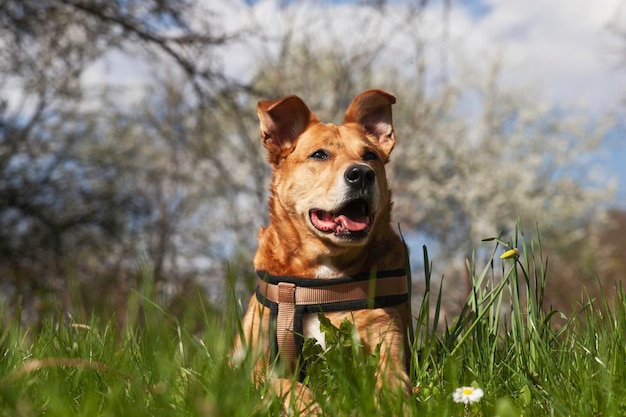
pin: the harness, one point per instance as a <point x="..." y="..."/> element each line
<point x="290" y="298"/>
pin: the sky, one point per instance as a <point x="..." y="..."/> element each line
<point x="565" y="47"/>
<point x="564" y="44"/>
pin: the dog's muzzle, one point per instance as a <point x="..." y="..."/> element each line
<point x="353" y="219"/>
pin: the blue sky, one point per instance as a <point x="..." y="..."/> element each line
<point x="616" y="161"/>
<point x="476" y="8"/>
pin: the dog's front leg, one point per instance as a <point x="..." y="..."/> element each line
<point x="296" y="397"/>
<point x="384" y="327"/>
<point x="254" y="341"/>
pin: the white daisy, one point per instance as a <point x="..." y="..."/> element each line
<point x="467" y="395"/>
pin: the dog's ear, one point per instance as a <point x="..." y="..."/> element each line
<point x="372" y="110"/>
<point x="282" y="121"/>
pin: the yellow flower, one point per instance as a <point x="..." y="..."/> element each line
<point x="467" y="395"/>
<point x="512" y="253"/>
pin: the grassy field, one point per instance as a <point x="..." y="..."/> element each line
<point x="164" y="365"/>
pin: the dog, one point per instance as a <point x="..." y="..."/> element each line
<point x="329" y="235"/>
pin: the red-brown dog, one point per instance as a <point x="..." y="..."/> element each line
<point x="329" y="235"/>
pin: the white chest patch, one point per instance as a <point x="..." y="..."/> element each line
<point x="310" y="322"/>
<point x="311" y="328"/>
<point x="325" y="271"/>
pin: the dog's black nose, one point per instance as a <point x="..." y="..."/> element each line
<point x="360" y="176"/>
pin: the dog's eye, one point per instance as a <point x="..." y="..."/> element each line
<point x="320" y="154"/>
<point x="370" y="156"/>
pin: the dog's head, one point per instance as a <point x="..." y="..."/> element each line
<point x="330" y="179"/>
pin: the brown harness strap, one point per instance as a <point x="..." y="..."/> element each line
<point x="293" y="299"/>
<point x="286" y="298"/>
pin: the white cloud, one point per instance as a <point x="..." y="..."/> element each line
<point x="562" y="45"/>
<point x="119" y="69"/>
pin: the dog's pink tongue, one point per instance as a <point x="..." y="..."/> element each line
<point x="353" y="225"/>
<point x="328" y="221"/>
<point x="323" y="220"/>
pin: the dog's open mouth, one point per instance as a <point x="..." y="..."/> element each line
<point x="352" y="220"/>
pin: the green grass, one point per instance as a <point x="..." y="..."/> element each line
<point x="505" y="341"/>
